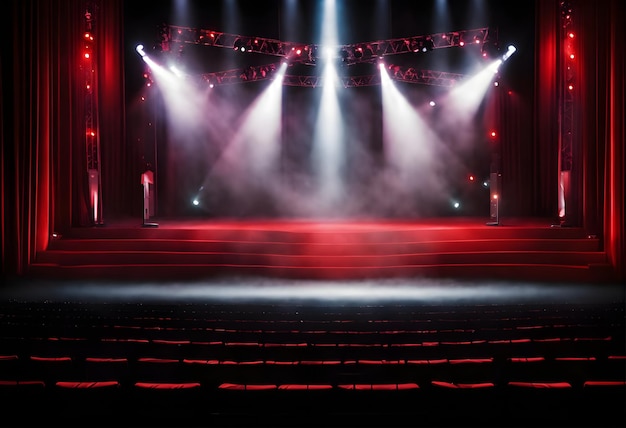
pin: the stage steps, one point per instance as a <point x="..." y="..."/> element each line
<point x="328" y="250"/>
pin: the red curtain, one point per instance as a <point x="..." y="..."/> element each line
<point x="601" y="46"/>
<point x="44" y="182"/>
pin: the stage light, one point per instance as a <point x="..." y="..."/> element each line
<point x="196" y="202"/>
<point x="432" y="104"/>
<point x="140" y="50"/>
<point x="471" y="178"/>
<point x="509" y="51"/>
<point x="238" y="45"/>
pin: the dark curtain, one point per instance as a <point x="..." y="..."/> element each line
<point x="545" y="176"/>
<point x="602" y="73"/>
<point x="44" y="183"/>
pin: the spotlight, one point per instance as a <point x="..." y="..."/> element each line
<point x="140" y="50"/>
<point x="510" y="51"/>
<point x="238" y="45"/>
<point x="196" y="202"/>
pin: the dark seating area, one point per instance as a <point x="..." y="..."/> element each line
<point x="295" y="362"/>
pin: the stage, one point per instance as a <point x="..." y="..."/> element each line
<point x="525" y="249"/>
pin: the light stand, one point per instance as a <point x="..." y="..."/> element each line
<point x="145" y="185"/>
<point x="494" y="199"/>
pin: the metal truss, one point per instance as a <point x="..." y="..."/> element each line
<point x="186" y="35"/>
<point x="310" y="53"/>
<point x="369" y="51"/>
<point x="568" y="83"/>
<point x="396" y="72"/>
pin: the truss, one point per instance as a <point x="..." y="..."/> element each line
<point x="310" y="53"/>
<point x="268" y="72"/>
<point x="365" y="52"/>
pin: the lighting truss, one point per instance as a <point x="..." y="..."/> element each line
<point x="240" y="75"/>
<point x="424" y="77"/>
<point x="308" y="53"/>
<point x="187" y="35"/>
<point x="370" y="51"/>
<point x="396" y="72"/>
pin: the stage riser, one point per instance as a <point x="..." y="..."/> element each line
<point x="299" y="249"/>
<point x="331" y="235"/>
<point x="326" y="249"/>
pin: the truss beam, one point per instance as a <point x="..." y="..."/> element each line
<point x="310" y="53"/>
<point x="396" y="72"/>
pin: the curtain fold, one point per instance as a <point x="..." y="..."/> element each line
<point x="545" y="174"/>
